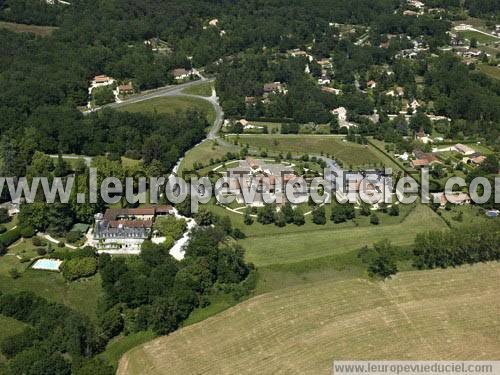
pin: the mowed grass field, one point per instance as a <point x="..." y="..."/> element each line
<point x="295" y="246"/>
<point x="82" y="295"/>
<point x="480" y="37"/>
<point x="204" y="89"/>
<point x="22" y="28"/>
<point x="10" y="327"/>
<point x="492" y="71"/>
<point x="171" y="105"/>
<point x="347" y="152"/>
<point x="202" y="154"/>
<point x="441" y="314"/>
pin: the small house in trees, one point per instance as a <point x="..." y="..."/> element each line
<point x="463" y="149"/>
<point x="102" y="80"/>
<point x="274" y="87"/>
<point x="125" y="89"/>
<point x="423" y="159"/>
<point x="454" y="198"/>
<point x="181" y="73"/>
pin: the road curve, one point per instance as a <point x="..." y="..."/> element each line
<point x="175" y="90"/>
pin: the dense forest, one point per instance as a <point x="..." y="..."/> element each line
<point x="59" y="129"/>
<point x="479" y="8"/>
<point x="43" y="80"/>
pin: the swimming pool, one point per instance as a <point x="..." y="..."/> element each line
<point x="492" y="213"/>
<point x="47" y="264"/>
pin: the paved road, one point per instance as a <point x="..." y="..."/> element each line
<point x="176" y="90"/>
<point x="471" y="28"/>
<point x="171" y="90"/>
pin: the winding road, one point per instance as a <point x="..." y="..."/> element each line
<point x="175" y="90"/>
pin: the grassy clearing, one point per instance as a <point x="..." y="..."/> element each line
<point x="81" y="295"/>
<point x="492" y="71"/>
<point x="260" y="230"/>
<point x="469" y="215"/>
<point x="122" y="344"/>
<point x="297" y="246"/>
<point x="202" y="154"/>
<point x="172" y="105"/>
<point x="478" y="23"/>
<point x="335" y="268"/>
<point x="204" y="89"/>
<point x="445" y="314"/>
<point x="130" y="163"/>
<point x="218" y="303"/>
<point x="9" y="327"/>
<point x="22" y="28"/>
<point x="347" y="152"/>
<point x="350" y="154"/>
<point x="480" y="37"/>
<point x="11" y="224"/>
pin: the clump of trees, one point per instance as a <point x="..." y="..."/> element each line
<point x="57" y="340"/>
<point x="342" y="213"/>
<point x="268" y="214"/>
<point x="77" y="268"/>
<point x="170" y="226"/>
<point x="161" y="292"/>
<point x="4" y="215"/>
<point x="319" y="215"/>
<point x="466" y="245"/>
<point x="434" y="249"/>
<point x="380" y="260"/>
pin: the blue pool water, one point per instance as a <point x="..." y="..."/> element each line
<point x="47" y="264"/>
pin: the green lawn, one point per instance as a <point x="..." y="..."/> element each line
<point x="204" y="89"/>
<point x="171" y="105"/>
<point x="297" y="245"/>
<point x="10" y="327"/>
<point x="81" y="295"/>
<point x="117" y="347"/>
<point x="469" y="215"/>
<point x="347" y="152"/>
<point x="259" y="230"/>
<point x="492" y="71"/>
<point x="336" y="267"/>
<point x="23" y="28"/>
<point x="130" y="163"/>
<point x="11" y="224"/>
<point x="480" y="37"/>
<point x="218" y="303"/>
<point x="202" y="154"/>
